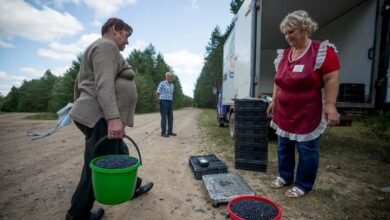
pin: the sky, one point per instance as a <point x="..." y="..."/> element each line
<point x="38" y="35"/>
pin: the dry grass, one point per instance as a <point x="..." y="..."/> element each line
<point x="354" y="167"/>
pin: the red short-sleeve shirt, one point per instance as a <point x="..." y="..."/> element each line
<point x="331" y="63"/>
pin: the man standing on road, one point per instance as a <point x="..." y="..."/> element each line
<point x="165" y="95"/>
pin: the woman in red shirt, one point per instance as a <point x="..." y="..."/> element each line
<point x="304" y="101"/>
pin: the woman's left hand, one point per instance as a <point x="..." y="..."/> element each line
<point x="331" y="115"/>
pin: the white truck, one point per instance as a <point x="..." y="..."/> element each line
<point x="358" y="28"/>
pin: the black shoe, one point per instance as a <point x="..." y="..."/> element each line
<point x="96" y="214"/>
<point x="143" y="189"/>
<point x="172" y="134"/>
<point x="165" y="135"/>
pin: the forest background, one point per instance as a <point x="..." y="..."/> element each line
<point x="50" y="93"/>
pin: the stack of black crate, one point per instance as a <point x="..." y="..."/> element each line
<point x="351" y="92"/>
<point x="250" y="134"/>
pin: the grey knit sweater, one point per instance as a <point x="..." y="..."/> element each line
<point x="104" y="87"/>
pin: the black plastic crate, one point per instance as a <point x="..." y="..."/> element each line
<point x="245" y="104"/>
<point x="253" y="140"/>
<point x="251" y="132"/>
<point x="251" y="114"/>
<point x="251" y="147"/>
<point x="259" y="146"/>
<point x="263" y="147"/>
<point x="215" y="166"/>
<point x="351" y="92"/>
<point x="351" y="98"/>
<point x="250" y="124"/>
<point x="253" y="120"/>
<point x="261" y="156"/>
<point x="251" y="165"/>
<point x="351" y="88"/>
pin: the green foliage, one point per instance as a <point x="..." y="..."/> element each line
<point x="146" y="94"/>
<point x="235" y="5"/>
<point x="187" y="101"/>
<point x="161" y="69"/>
<point x="62" y="92"/>
<point x="148" y="63"/>
<point x="215" y="41"/>
<point x="211" y="75"/>
<point x="10" y="101"/>
<point x="51" y="93"/>
<point x="151" y="69"/>
<point x="34" y="95"/>
<point x="2" y="100"/>
<point x="178" y="94"/>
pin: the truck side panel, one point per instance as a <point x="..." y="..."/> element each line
<point x="243" y="25"/>
<point x="229" y="61"/>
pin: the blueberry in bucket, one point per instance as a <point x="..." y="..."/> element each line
<point x="116" y="162"/>
<point x="254" y="210"/>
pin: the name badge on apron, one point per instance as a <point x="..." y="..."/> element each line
<point x="298" y="68"/>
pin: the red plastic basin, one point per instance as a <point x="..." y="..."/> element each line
<point x="248" y="197"/>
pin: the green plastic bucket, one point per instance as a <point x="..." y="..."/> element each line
<point x="114" y="186"/>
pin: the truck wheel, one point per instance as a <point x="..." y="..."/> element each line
<point x="231" y="125"/>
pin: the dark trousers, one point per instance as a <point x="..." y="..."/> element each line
<point x="83" y="198"/>
<point x="166" y="111"/>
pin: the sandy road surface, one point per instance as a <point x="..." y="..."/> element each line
<point x="38" y="177"/>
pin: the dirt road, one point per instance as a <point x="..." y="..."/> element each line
<point x="38" y="177"/>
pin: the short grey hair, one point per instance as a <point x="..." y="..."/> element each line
<point x="167" y="73"/>
<point x="299" y="19"/>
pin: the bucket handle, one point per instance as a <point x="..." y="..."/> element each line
<point x="126" y="137"/>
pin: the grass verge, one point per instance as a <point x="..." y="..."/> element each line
<point x="354" y="170"/>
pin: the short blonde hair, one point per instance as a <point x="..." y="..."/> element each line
<point x="299" y="19"/>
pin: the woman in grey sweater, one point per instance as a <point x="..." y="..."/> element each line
<point x="105" y="100"/>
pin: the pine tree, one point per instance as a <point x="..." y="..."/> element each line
<point x="62" y="92"/>
<point x="11" y="100"/>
